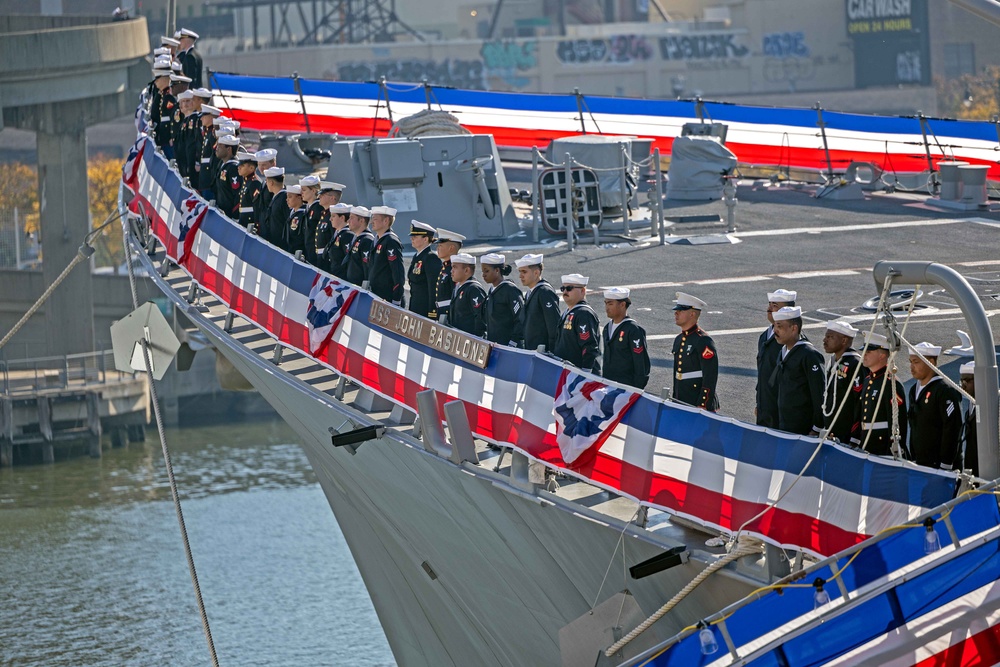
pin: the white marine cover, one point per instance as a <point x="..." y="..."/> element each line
<point x="697" y="165"/>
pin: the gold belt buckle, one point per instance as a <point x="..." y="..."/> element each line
<point x="679" y="375"/>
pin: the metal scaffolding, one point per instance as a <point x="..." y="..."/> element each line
<point x="321" y="21"/>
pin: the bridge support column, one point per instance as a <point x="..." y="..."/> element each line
<point x="65" y="220"/>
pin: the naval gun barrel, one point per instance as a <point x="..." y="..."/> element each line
<point x="987" y="397"/>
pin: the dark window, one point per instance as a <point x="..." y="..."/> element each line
<point x="959" y="59"/>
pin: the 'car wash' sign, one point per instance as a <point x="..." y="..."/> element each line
<point x="891" y="42"/>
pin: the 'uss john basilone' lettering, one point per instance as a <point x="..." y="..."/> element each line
<point x="444" y="339"/>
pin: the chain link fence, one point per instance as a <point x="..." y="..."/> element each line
<point x="20" y="242"/>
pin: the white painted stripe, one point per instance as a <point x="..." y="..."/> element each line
<point x="748" y="279"/>
<point x="819" y="274"/>
<point x="847" y="228"/>
<point x="726" y="281"/>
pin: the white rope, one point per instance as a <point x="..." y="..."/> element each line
<point x="166" y="457"/>
<point x="621" y="538"/>
<point x="745" y="547"/>
<point x="427" y="122"/>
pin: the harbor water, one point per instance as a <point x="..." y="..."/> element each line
<point x="93" y="572"/>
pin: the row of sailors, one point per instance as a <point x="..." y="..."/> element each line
<point x="856" y="397"/>
<point x="797" y="391"/>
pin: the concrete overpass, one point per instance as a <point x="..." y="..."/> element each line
<point x="58" y="75"/>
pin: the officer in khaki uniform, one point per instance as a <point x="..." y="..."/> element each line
<point x="696" y="363"/>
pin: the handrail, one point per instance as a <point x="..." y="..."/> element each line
<point x="67" y="371"/>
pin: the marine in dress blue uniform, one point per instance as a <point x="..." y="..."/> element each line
<point x="696" y="361"/>
<point x="626" y="359"/>
<point x="448" y="243"/>
<point x="250" y="189"/>
<point x="873" y="419"/>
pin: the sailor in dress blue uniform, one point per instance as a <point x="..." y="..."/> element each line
<point x="696" y="362"/>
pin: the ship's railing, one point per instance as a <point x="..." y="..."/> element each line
<point x="912" y="585"/>
<point x="712" y="469"/>
<point x="786" y="139"/>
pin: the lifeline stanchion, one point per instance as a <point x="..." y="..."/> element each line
<point x="659" y="194"/>
<point x="534" y="194"/>
<point x="568" y="171"/>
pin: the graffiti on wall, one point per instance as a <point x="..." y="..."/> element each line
<point x="785" y="45"/>
<point x="701" y="47"/>
<point x="501" y="65"/>
<point x="448" y="72"/>
<point x="507" y="61"/>
<point x="616" y="49"/>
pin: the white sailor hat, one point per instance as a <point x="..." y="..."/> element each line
<point x="175" y="66"/>
<point x="361" y="212"/>
<point x="169" y="41"/>
<point x="294" y="190"/>
<point x="876" y="341"/>
<point x="162" y="51"/>
<point x="340" y="208"/>
<point x="179" y="78"/>
<point x="493" y="259"/>
<point x="157" y="73"/>
<point x="842" y="327"/>
<point x="529" y="260"/>
<point x="220" y="119"/>
<point x="329" y="186"/>
<point x="617" y="293"/>
<point x="384" y="210"/>
<point x="787" y="313"/>
<point x="445" y="235"/>
<point x="203" y="93"/>
<point x="967" y="368"/>
<point x="265" y="155"/>
<point x="781" y="296"/>
<point x="687" y="302"/>
<point x="209" y="109"/>
<point x="234" y="123"/>
<point x="229" y="140"/>
<point x="225" y="131"/>
<point x="926" y="349"/>
<point x="418" y="228"/>
<point x="271" y="172"/>
<point x="185" y="95"/>
<point x="186" y="32"/>
<point x="463" y="258"/>
<point x="309" y="181"/>
<point x="575" y="279"/>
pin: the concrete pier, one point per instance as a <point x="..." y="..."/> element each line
<point x="57" y="407"/>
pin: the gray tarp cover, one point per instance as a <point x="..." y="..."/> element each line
<point x="697" y="165"/>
